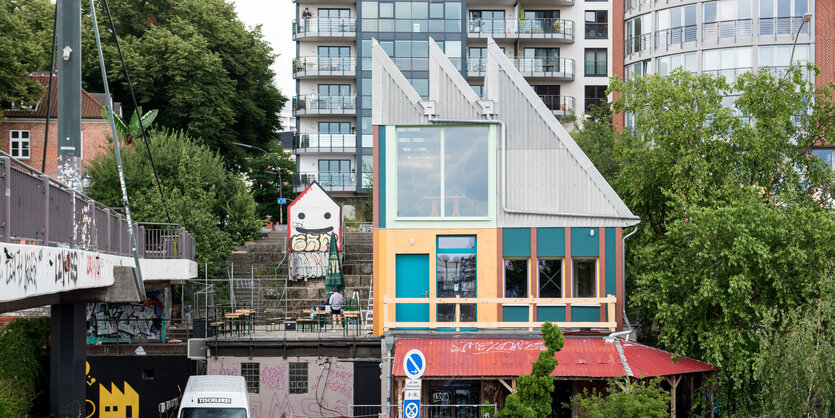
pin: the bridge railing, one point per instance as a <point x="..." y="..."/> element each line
<point x="37" y="209"/>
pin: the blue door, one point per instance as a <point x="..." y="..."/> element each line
<point x="412" y="281"/>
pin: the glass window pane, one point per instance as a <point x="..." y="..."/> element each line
<point x="744" y="57"/>
<point x="465" y="171"/>
<point x="550" y="278"/>
<point x="766" y="8"/>
<point x="436" y="11"/>
<point x="711" y="60"/>
<point x="420" y="10"/>
<point x="456" y="275"/>
<point x="369" y="9"/>
<point x="784" y="8"/>
<point x="418" y="171"/>
<point x="386" y="10"/>
<point x="710" y="11"/>
<point x="452" y="49"/>
<point x="690" y="15"/>
<point x="456" y="243"/>
<point x="516" y="278"/>
<point x="825" y="155"/>
<point x="446" y="312"/>
<point x="403" y="10"/>
<point x="690" y="62"/>
<point x="453" y="10"/>
<point x="800" y="7"/>
<point x="766" y="56"/>
<point x="585" y="276"/>
<point x="744" y="9"/>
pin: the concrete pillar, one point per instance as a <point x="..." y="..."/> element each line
<point x="66" y="360"/>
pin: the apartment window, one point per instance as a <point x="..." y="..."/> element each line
<point x="252" y="373"/>
<point x="596" y="62"/>
<point x="335" y="172"/>
<point x="456" y="275"/>
<point x="334" y="127"/>
<point x="595" y="95"/>
<point x="516" y="278"/>
<point x="298" y="378"/>
<point x="442" y="171"/>
<point x="19" y="144"/>
<point x="826" y="155"/>
<point x="728" y="62"/>
<point x="487" y="21"/>
<point x="550" y="277"/>
<point x="584" y="278"/>
<point x="550" y="95"/>
<point x="597" y="26"/>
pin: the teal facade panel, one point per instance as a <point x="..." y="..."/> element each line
<point x="583" y="244"/>
<point x="585" y="314"/>
<point x="381" y="175"/>
<point x="515" y="313"/>
<point x="550" y="313"/>
<point x="611" y="261"/>
<point x="550" y="242"/>
<point x="516" y="242"/>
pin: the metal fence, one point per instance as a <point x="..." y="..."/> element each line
<point x="426" y="411"/>
<point x="38" y="209"/>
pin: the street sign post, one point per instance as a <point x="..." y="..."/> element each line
<point x="411" y="394"/>
<point x="282" y="200"/>
<point x="411" y="408"/>
<point x="412" y="384"/>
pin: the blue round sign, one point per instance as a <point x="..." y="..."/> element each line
<point x="414" y="364"/>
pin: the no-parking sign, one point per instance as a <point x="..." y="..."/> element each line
<point x="414" y="364"/>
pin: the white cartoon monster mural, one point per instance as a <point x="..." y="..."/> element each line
<point x="313" y="219"/>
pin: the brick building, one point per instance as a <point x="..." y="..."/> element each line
<point x="22" y="133"/>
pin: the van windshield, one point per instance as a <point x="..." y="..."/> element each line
<point x="213" y="413"/>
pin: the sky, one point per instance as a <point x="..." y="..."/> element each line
<point x="275" y="18"/>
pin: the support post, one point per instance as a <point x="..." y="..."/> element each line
<point x="673" y="382"/>
<point x="45" y="182"/>
<point x="6" y="198"/>
<point x="67" y="359"/>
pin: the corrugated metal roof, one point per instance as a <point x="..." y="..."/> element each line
<point x="579" y="357"/>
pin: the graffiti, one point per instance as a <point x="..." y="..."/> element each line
<point x="440" y="398"/>
<point x="308" y="265"/>
<point x="310" y="242"/>
<point x="65" y="264"/>
<point x="272" y="377"/>
<point x="94" y="266"/>
<point x="69" y="170"/>
<point x="115" y="403"/>
<point x="340" y="380"/>
<point x="83" y="231"/>
<point x="479" y="347"/>
<point x="21" y="268"/>
<point x="228" y="372"/>
<point x="125" y="322"/>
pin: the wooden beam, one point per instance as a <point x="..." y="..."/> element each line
<point x="485" y="324"/>
<point x="525" y="301"/>
<point x="673" y="382"/>
<point x="507" y="386"/>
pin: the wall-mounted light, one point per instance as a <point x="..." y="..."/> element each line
<point x="412" y="241"/>
<point x="591" y="232"/>
<point x="67" y="52"/>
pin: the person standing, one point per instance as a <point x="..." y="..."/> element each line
<point x="336" y="301"/>
<point x="306" y="15"/>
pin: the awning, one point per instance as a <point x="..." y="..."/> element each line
<point x="579" y="357"/>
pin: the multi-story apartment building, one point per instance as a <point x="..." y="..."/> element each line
<point x="722" y="37"/>
<point x="562" y="48"/>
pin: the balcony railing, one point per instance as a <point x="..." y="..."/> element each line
<point x="521" y="28"/>
<point x="545" y="67"/>
<point x="559" y="105"/>
<point x="782" y="26"/>
<point x="313" y="104"/>
<point x="319" y="142"/>
<point x="164" y="240"/>
<point x="730" y="74"/>
<point x="324" y="66"/>
<point x="40" y="210"/>
<point x="675" y="36"/>
<point x="530" y="305"/>
<point x="334" y="181"/>
<point x="727" y="29"/>
<point x="325" y="27"/>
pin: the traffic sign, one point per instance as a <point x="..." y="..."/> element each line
<point x="411" y="408"/>
<point x="411" y="394"/>
<point x="282" y="200"/>
<point x="412" y="384"/>
<point x="414" y="364"/>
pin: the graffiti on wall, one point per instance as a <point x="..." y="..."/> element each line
<point x="33" y="270"/>
<point x="113" y="402"/>
<point x="330" y="386"/>
<point x="126" y="322"/>
<point x="313" y="218"/>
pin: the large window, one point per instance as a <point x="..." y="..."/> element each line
<point x="252" y="373"/>
<point x="19" y="142"/>
<point x="456" y="275"/>
<point x="676" y="25"/>
<point x="727" y="19"/>
<point x="728" y="62"/>
<point x="782" y="17"/>
<point x="516" y="278"/>
<point x="825" y="154"/>
<point x="442" y="172"/>
<point x="335" y="173"/>
<point x="666" y="65"/>
<point x="597" y="24"/>
<point x="550" y="278"/>
<point x="584" y="278"/>
<point x="638" y="34"/>
<point x="486" y="21"/>
<point x="595" y="95"/>
<point x="334" y="127"/>
<point x="596" y="62"/>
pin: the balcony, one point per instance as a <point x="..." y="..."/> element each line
<point x="312" y="104"/>
<point x="558" y="29"/>
<point x="559" y="105"/>
<point x="324" y="28"/>
<point x="318" y="142"/>
<point x="332" y="181"/>
<point x="559" y="68"/>
<point x="334" y="67"/>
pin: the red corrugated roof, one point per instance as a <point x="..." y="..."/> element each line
<point x="580" y="357"/>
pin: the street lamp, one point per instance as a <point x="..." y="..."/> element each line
<point x="806" y="18"/>
<point x="278" y="169"/>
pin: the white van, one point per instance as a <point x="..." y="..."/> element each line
<point x="215" y="397"/>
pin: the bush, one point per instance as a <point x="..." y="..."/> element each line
<point x="625" y="399"/>
<point x="22" y="344"/>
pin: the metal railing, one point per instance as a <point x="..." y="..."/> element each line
<point x="329" y="180"/>
<point x="638" y="43"/>
<point x="675" y="36"/>
<point x="730" y="74"/>
<point x="727" y="29"/>
<point x="325" y="142"/>
<point x="38" y="209"/>
<point x="559" y="105"/>
<point x="545" y="67"/>
<point x="433" y="410"/>
<point x="164" y="241"/>
<point x="597" y="30"/>
<point x="324" y="66"/>
<point x="782" y="26"/>
<point x="630" y="6"/>
<point x="325" y="27"/>
<point x="313" y="104"/>
<point x="521" y="28"/>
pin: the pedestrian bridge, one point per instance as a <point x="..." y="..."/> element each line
<point x="57" y="246"/>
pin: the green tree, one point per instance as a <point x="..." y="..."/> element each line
<point x="197" y="63"/>
<point x="533" y="397"/>
<point x="25" y="39"/>
<point x="202" y="196"/>
<point x="22" y="378"/>
<point x="797" y="360"/>
<point x="736" y="207"/>
<point x="625" y="399"/>
<point x="596" y="137"/>
<point x="263" y="175"/>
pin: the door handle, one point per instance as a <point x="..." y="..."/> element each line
<point x="426" y="294"/>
